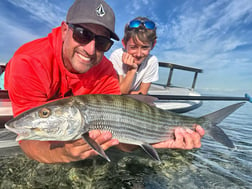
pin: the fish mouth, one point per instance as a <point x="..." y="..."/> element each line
<point x="22" y="133"/>
<point x="10" y="127"/>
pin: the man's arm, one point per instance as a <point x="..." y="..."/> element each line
<point x="183" y="139"/>
<point x="26" y="95"/>
<point x="64" y="152"/>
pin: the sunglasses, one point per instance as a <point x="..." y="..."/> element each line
<point x="148" y="24"/>
<point x="84" y="36"/>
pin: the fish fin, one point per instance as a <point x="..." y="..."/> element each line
<point x="219" y="135"/>
<point x="150" y="151"/>
<point x="215" y="118"/>
<point x="219" y="115"/>
<point x="95" y="146"/>
<point x="144" y="98"/>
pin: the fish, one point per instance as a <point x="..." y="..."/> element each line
<point x="131" y="120"/>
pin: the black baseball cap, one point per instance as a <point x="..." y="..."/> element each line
<point x="92" y="11"/>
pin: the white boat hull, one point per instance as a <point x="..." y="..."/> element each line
<point x="179" y="106"/>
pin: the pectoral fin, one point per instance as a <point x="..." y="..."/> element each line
<point x="150" y="151"/>
<point x="95" y="146"/>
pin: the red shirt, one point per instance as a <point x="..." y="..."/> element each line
<point x="36" y="75"/>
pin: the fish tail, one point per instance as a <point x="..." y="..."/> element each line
<point x="215" y="118"/>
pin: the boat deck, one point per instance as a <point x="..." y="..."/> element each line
<point x="5" y="111"/>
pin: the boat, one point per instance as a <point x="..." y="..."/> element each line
<point x="5" y="103"/>
<point x="172" y="92"/>
<point x="5" y="107"/>
<point x="8" y="144"/>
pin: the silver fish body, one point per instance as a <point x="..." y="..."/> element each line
<point x="129" y="120"/>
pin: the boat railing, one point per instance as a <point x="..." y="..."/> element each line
<point x="4" y="94"/>
<point x="180" y="67"/>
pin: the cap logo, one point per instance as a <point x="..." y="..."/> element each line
<point x="100" y="11"/>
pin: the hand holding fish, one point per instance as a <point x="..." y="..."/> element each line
<point x="183" y="139"/>
<point x="66" y="151"/>
<point x="79" y="149"/>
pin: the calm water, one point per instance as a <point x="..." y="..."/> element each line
<point x="211" y="166"/>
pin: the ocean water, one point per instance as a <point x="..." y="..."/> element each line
<point x="211" y="166"/>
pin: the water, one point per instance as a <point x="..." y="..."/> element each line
<point x="211" y="166"/>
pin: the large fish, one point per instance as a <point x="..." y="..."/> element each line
<point x="129" y="120"/>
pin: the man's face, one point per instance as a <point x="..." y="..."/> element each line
<point x="79" y="58"/>
<point x="139" y="50"/>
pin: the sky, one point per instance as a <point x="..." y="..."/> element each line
<point x="213" y="35"/>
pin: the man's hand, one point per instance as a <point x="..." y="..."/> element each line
<point x="66" y="151"/>
<point x="79" y="149"/>
<point x="184" y="139"/>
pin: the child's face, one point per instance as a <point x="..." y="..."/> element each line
<point x="139" y="50"/>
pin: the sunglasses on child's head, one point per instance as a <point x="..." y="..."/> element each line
<point x="84" y="36"/>
<point x="148" y="24"/>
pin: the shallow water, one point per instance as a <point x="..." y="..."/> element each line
<point x="211" y="166"/>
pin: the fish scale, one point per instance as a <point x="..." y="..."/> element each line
<point x="145" y="122"/>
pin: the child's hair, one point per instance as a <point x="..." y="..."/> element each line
<point x="141" y="33"/>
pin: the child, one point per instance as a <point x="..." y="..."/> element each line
<point x="134" y="64"/>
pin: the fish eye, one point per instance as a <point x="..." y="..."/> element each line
<point x="44" y="112"/>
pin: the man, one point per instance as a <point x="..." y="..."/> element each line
<point x="71" y="61"/>
<point x="136" y="67"/>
